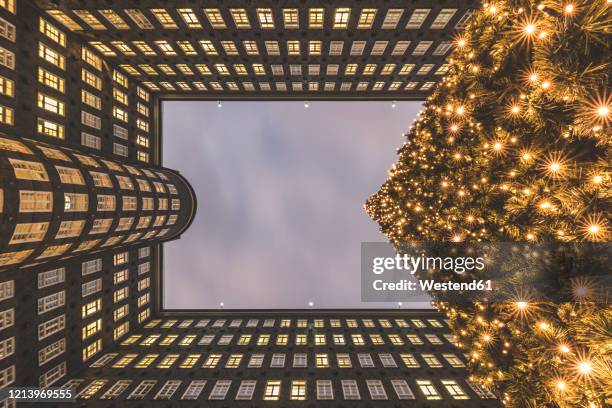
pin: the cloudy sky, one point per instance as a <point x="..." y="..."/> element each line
<point x="280" y="191"/>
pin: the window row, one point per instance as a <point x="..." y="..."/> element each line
<point x="274" y="390"/>
<point x="300" y="323"/>
<point x="298" y="86"/>
<point x="315" y="18"/>
<point x="276" y="360"/>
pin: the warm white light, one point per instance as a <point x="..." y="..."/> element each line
<point x="310" y="304"/>
<point x="554" y="167"/>
<point x="569" y="9"/>
<point x="597" y="179"/>
<point x="594" y="229"/>
<point x="515" y="109"/>
<point x="530" y="29"/>
<point x="306" y="104"/>
<point x="533" y="77"/>
<point x="564" y="348"/>
<point x="603" y="111"/>
<point x="521" y="305"/>
<point x="545" y="84"/>
<point x="561" y="385"/>
<point x="585" y="367"/>
<point x="393" y="104"/>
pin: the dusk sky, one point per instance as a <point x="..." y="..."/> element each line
<point x="280" y="192"/>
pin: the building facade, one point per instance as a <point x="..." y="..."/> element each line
<point x="85" y="203"/>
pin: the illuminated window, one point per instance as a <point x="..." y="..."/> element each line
<point x="357" y="47"/>
<point x="70" y="229"/>
<point x="428" y="390"/>
<point x="91" y="79"/>
<point x="27" y="170"/>
<point x="6" y="115"/>
<point x="90" y="99"/>
<point x="215" y="18"/>
<point x="7" y="86"/>
<point x="187" y="48"/>
<point x="369" y="69"/>
<point x="91" y="58"/>
<point x="321" y="360"/>
<point x="92" y="349"/>
<point x="35" y="201"/>
<point x="344" y="360"/>
<point x="266" y="20"/>
<point x="165" y="47"/>
<point x="168" y="361"/>
<point x="298" y="390"/>
<point x="8" y="5"/>
<point x="91" y="329"/>
<point x="146" y="361"/>
<point x="52" y="32"/>
<point x="405" y="70"/>
<point x="314" y="47"/>
<point x="341" y="17"/>
<point x="291" y="18"/>
<point x="164" y="18"/>
<point x="315" y="17"/>
<point x="114" y="18"/>
<point x="208" y="47"/>
<point x="272" y="390"/>
<point x="241" y="19"/>
<point x="293" y="47"/>
<point x="366" y="18"/>
<point x="258" y="69"/>
<point x="144" y="48"/>
<point x="91" y="308"/>
<point x="211" y="361"/>
<point x="189" y="17"/>
<point x="70" y="175"/>
<point x="50" y="104"/>
<point x="103" y="48"/>
<point x="453" y="360"/>
<point x="7" y="58"/>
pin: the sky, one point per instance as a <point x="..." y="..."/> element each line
<point x="280" y="191"/>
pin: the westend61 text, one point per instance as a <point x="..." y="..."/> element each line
<point x="429" y="285"/>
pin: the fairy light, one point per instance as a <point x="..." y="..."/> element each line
<point x="569" y="9"/>
<point x="564" y="348"/>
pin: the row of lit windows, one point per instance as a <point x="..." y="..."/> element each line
<point x="275" y="48"/>
<point x="7" y="59"/>
<point x="297" y="69"/>
<point x="356" y="339"/>
<point x="279" y="360"/>
<point x="360" y="86"/>
<point x="300" y="323"/>
<point x="273" y="390"/>
<point x="342" y="18"/>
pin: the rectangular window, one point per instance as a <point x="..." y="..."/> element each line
<point x="51" y="80"/>
<point x="52" y="32"/>
<point x="91" y="308"/>
<point x="49" y="128"/>
<point x="325" y="390"/>
<point x="350" y="390"/>
<point x="90" y="140"/>
<point x="256" y="361"/>
<point x="46" y="53"/>
<point x="91" y="79"/>
<point x="35" y="201"/>
<point x="51" y="104"/>
<point x="70" y="176"/>
<point x="220" y="389"/>
<point x="428" y="390"/>
<point x="50" y="302"/>
<point x="89" y="267"/>
<point x="272" y="390"/>
<point x="91" y="120"/>
<point x="91" y="287"/>
<point x="7" y="318"/>
<point x="51" y="327"/>
<point x="29" y="232"/>
<point x="365" y="360"/>
<point x="7" y="290"/>
<point x="75" y="202"/>
<point x="90" y="99"/>
<point x="402" y="390"/>
<point x="51" y="351"/>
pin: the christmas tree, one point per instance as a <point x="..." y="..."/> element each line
<point x="514" y="145"/>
